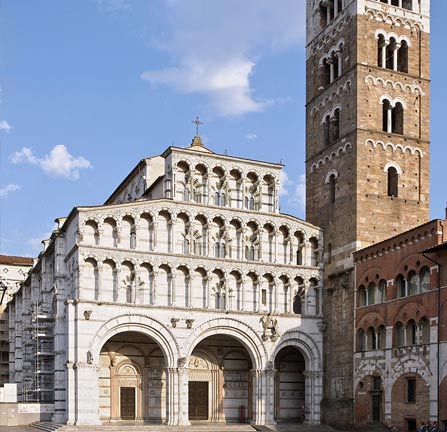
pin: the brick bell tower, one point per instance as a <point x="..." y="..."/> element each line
<point x="367" y="151"/>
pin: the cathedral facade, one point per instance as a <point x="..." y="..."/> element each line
<point x="186" y="296"/>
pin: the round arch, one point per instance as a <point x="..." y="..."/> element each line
<point x="305" y="344"/>
<point x="234" y="328"/>
<point x="140" y="324"/>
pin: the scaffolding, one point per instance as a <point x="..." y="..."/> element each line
<point x="38" y="356"/>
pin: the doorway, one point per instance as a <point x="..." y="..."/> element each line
<point x="376" y="407"/>
<point x="127" y="404"/>
<point x="198" y="400"/>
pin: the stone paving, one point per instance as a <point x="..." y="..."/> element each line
<point x="193" y="428"/>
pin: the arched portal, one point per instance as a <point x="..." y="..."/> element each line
<point x="220" y="381"/>
<point x="289" y="385"/>
<point x="132" y="379"/>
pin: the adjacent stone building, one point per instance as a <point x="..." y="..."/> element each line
<point x="367" y="151"/>
<point x="400" y="367"/>
<point x="186" y="296"/>
<point x="13" y="271"/>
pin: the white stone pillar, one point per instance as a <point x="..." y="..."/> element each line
<point x="243" y="288"/>
<point x="71" y="390"/>
<point x="328" y="13"/>
<point x="275" y="288"/>
<point x="87" y="394"/>
<point x="171" y="396"/>
<point x="388" y="378"/>
<point x="173" y="290"/>
<point x="395" y="55"/>
<point x="400" y="3"/>
<point x="384" y="47"/>
<point x="389" y="122"/>
<point x="270" y="396"/>
<point x="183" y="378"/>
<point x="259" y="397"/>
<point x="332" y="70"/>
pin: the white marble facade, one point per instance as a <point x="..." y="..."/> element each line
<point x="187" y="295"/>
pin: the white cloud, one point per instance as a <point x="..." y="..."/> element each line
<point x="114" y="5"/>
<point x="251" y="136"/>
<point x="8" y="189"/>
<point x="24" y="155"/>
<point x="299" y="196"/>
<point x="285" y="183"/>
<point x="59" y="163"/>
<point x="5" y="126"/>
<point x="215" y="47"/>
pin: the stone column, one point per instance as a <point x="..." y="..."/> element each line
<point x="384" y="46"/>
<point x="330" y="62"/>
<point x="335" y="8"/>
<point x="173" y="292"/>
<point x="340" y="61"/>
<point x="389" y="120"/>
<point x="183" y="379"/>
<point x="154" y="287"/>
<point x="87" y="395"/>
<point x="275" y="287"/>
<point x="313" y="395"/>
<point x="121" y="292"/>
<point x="270" y="396"/>
<point x="395" y="55"/>
<point x="259" y="397"/>
<point x="71" y="390"/>
<point x="171" y="396"/>
<point x="243" y="280"/>
<point x="328" y="13"/>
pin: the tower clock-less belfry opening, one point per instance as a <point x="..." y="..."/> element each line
<point x="367" y="150"/>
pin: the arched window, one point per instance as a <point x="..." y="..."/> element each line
<point x="325" y="72"/>
<point x="425" y="331"/>
<point x="424" y="279"/>
<point x="332" y="188"/>
<point x="362" y="296"/>
<point x="386" y="116"/>
<point x="393" y="182"/>
<point x="326" y="127"/>
<point x="371" y="338"/>
<point x="361" y="340"/>
<point x="413" y="283"/>
<point x="217" y="199"/>
<point x="335" y="121"/>
<point x="382" y="292"/>
<point x="399" y="334"/>
<point x="315" y="252"/>
<point x="402" y="56"/>
<point x="411" y="333"/>
<point x="381" y="339"/>
<point x="381" y="51"/>
<point x="371" y="293"/>
<point x="297" y="305"/>
<point x="401" y="286"/>
<point x="251" y="204"/>
<point x="397" y="119"/>
<point x="391" y="48"/>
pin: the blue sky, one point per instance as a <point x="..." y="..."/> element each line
<point x="90" y="87"/>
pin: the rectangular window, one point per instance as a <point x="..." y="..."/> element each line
<point x="411" y="390"/>
<point x="264" y="297"/>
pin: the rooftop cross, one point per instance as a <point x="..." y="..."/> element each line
<point x="197" y="122"/>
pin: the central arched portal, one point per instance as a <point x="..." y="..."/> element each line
<point x="220" y="381"/>
<point x="132" y="379"/>
<point x="289" y="385"/>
